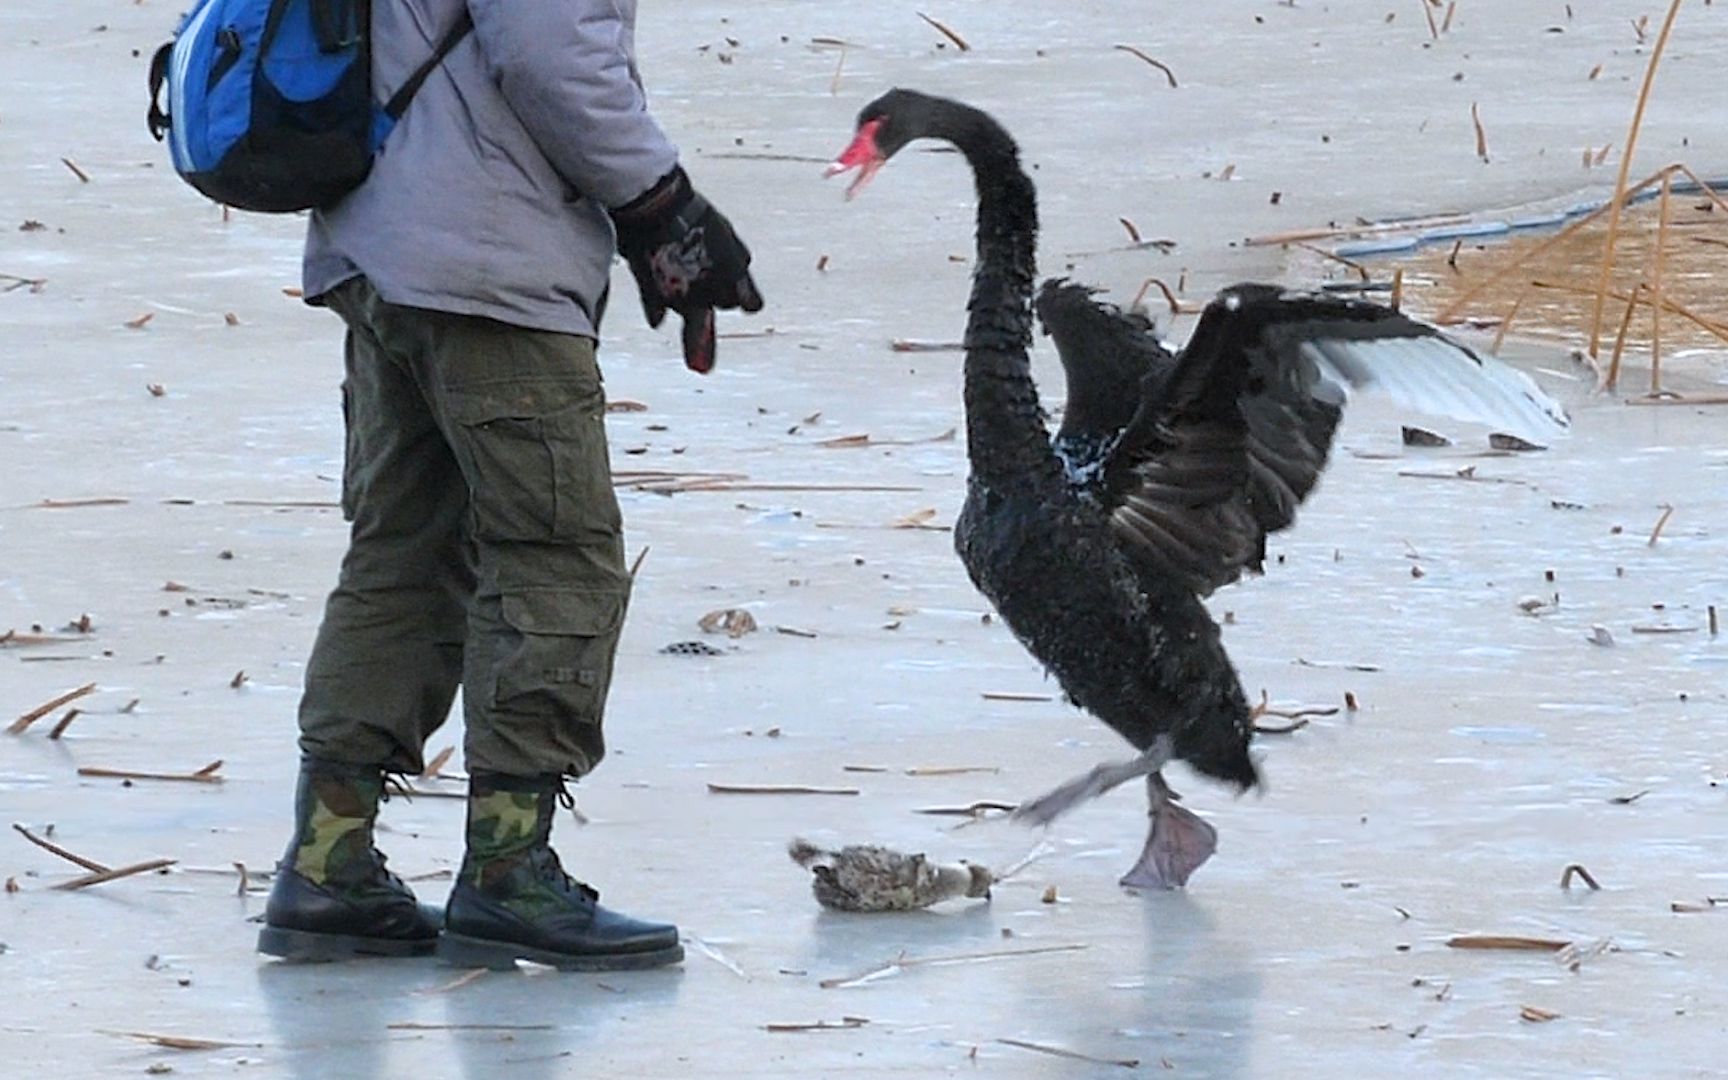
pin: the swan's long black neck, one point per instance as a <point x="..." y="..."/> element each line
<point x="1006" y="437"/>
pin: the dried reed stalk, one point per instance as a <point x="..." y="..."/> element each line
<point x="1450" y="312"/>
<point x="1656" y="275"/>
<point x="1334" y="231"/>
<point x="1703" y="187"/>
<point x="1613" y="378"/>
<point x="1506" y="323"/>
<point x="1361" y="271"/>
<point x="1715" y="329"/>
<point x="1616" y="204"/>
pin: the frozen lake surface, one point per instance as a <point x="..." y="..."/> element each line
<point x="1491" y="749"/>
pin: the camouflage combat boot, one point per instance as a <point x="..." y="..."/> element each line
<point x="513" y="901"/>
<point x="332" y="897"/>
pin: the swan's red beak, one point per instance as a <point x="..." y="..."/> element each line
<point x="861" y="154"/>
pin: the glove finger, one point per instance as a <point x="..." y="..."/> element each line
<point x="699" y="340"/>
<point x="653" y="309"/>
<point x="749" y="296"/>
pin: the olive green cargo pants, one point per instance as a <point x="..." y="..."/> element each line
<point x="486" y="548"/>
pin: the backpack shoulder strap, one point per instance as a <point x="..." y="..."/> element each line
<point x="157" y="118"/>
<point x="398" y="103"/>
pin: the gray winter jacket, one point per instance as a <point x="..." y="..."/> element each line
<point x="490" y="196"/>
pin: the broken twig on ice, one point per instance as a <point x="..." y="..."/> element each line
<point x="116" y="873"/>
<point x="181" y="1042"/>
<point x="1576" y="870"/>
<point x="1072" y="1055"/>
<point x="206" y="775"/>
<point x="905" y="962"/>
<point x="845" y="1023"/>
<point x="778" y="789"/>
<point x="77" y="860"/>
<point x="22" y="724"/>
<point x="1498" y="941"/>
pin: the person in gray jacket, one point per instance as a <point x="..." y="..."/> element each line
<point x="486" y="552"/>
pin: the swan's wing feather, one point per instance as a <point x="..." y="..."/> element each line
<point x="1224" y="448"/>
<point x="1105" y="353"/>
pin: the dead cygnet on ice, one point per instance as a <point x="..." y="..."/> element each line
<point x="865" y="877"/>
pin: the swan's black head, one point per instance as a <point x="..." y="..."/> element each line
<point x="886" y="125"/>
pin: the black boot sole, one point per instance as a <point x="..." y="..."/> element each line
<point x="457" y="950"/>
<point x="308" y="947"/>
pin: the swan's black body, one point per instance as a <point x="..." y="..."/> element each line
<point x="1167" y="474"/>
<point x="1138" y="652"/>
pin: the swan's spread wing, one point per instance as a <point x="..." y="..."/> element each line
<point x="1222" y="451"/>
<point x="1105" y="352"/>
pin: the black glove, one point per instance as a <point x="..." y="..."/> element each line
<point x="686" y="258"/>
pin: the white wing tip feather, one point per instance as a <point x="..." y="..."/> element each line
<point x="1439" y="375"/>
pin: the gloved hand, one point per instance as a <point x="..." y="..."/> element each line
<point x="687" y="259"/>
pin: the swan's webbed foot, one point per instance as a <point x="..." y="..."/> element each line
<point x="1179" y="843"/>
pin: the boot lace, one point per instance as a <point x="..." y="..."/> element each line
<point x="549" y="858"/>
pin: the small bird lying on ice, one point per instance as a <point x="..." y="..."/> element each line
<point x="865" y="877"/>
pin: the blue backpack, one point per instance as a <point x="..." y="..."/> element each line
<point x="270" y="101"/>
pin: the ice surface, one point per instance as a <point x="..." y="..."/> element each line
<point x="1482" y="761"/>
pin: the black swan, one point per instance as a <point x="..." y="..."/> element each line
<point x="1166" y="478"/>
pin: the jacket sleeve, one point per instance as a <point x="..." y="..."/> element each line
<point x="566" y="70"/>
